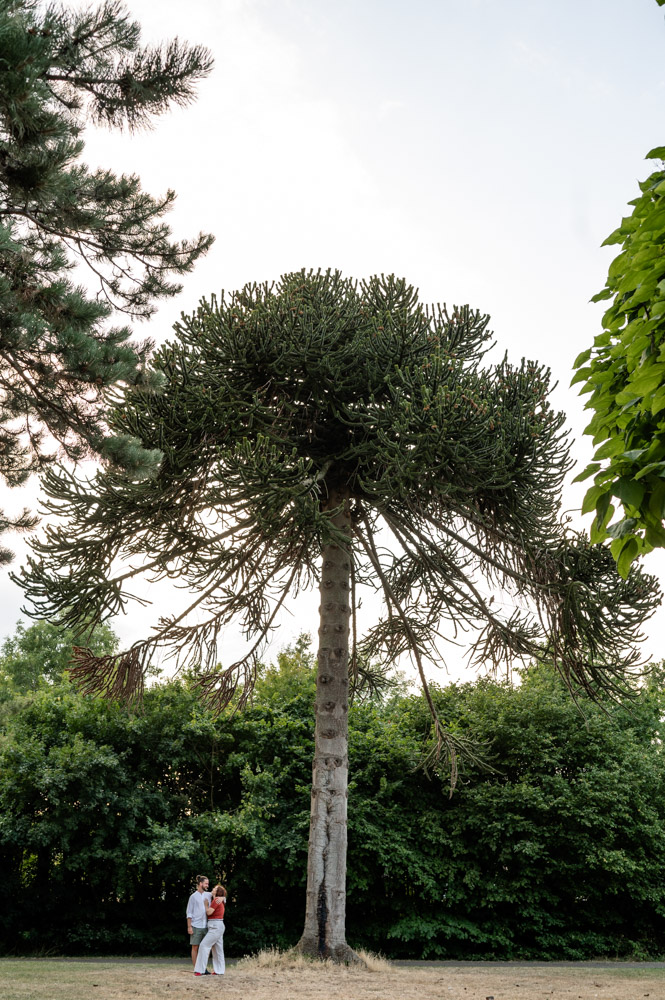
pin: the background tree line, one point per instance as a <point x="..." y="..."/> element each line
<point x="106" y="813"/>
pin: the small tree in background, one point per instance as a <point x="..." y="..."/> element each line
<point x="40" y="655"/>
<point x="294" y="674"/>
<point x="325" y="430"/>
<point x="60" y="70"/>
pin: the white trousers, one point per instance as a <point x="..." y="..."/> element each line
<point x="212" y="942"/>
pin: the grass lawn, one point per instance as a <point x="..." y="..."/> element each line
<point x="63" y="979"/>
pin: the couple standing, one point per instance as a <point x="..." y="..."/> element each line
<point x="205" y="926"/>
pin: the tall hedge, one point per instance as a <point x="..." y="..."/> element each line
<point x="555" y="850"/>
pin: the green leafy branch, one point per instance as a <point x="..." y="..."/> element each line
<point x="624" y="375"/>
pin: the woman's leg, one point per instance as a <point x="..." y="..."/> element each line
<point x="218" y="963"/>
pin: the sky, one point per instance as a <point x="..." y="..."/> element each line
<point x="483" y="149"/>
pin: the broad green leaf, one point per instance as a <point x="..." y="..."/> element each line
<point x="617" y="266"/>
<point x="623" y="422"/>
<point x="589" y="471"/>
<point x="632" y="279"/>
<point x="658" y="152"/>
<point x="655" y="535"/>
<point x="648" y="255"/>
<point x="581" y="375"/>
<point x="626" y="398"/>
<point x="643" y="294"/>
<point x="653" y="221"/>
<point x="603" y="402"/>
<point x="604" y="478"/>
<point x="648" y="380"/>
<point x="597" y="533"/>
<point x="602" y="507"/>
<point x="656" y="450"/>
<point x="658" y="401"/>
<point x="615" y="324"/>
<point x="612" y="447"/>
<point x="634" y="454"/>
<point x="598" y="426"/>
<point x="657" y="501"/>
<point x="650" y="467"/>
<point x="629" y="405"/>
<point x="616" y="351"/>
<point x="591" y="498"/>
<point x="605" y="513"/>
<point x="581" y="358"/>
<point x="602" y="375"/>
<point x="639" y="325"/>
<point x="635" y="344"/>
<point x="622" y="528"/>
<point x="628" y="553"/>
<point x="616" y="547"/>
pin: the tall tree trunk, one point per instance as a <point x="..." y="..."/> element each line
<point x="324" y="935"/>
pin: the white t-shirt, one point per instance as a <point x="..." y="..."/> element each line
<point x="196" y="908"/>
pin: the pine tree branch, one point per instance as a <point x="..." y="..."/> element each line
<point x="46" y="402"/>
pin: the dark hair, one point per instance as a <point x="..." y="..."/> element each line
<point x="219" y="890"/>
<point x="201" y="878"/>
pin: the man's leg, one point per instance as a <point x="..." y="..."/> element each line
<point x="204" y="952"/>
<point x="197" y="935"/>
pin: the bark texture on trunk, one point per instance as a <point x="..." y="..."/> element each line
<point x="324" y="935"/>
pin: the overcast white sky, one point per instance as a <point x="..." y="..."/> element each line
<point x="483" y="149"/>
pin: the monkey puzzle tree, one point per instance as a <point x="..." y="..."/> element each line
<point x="323" y="429"/>
<point x="60" y="70"/>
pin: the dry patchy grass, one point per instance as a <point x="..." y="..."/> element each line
<point x="274" y="959"/>
<point x="274" y="976"/>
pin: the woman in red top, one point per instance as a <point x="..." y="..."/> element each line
<point x="214" y="939"/>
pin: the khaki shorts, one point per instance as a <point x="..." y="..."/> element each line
<point x="197" y="935"/>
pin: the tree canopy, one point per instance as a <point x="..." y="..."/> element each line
<point x="279" y="397"/>
<point x="63" y="69"/>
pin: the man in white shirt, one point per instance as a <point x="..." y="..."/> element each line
<point x="197" y="919"/>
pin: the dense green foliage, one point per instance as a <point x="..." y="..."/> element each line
<point x="40" y="654"/>
<point x="624" y="372"/>
<point x="282" y="396"/>
<point x="107" y="814"/>
<point x="62" y="70"/>
<point x="625" y="375"/>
